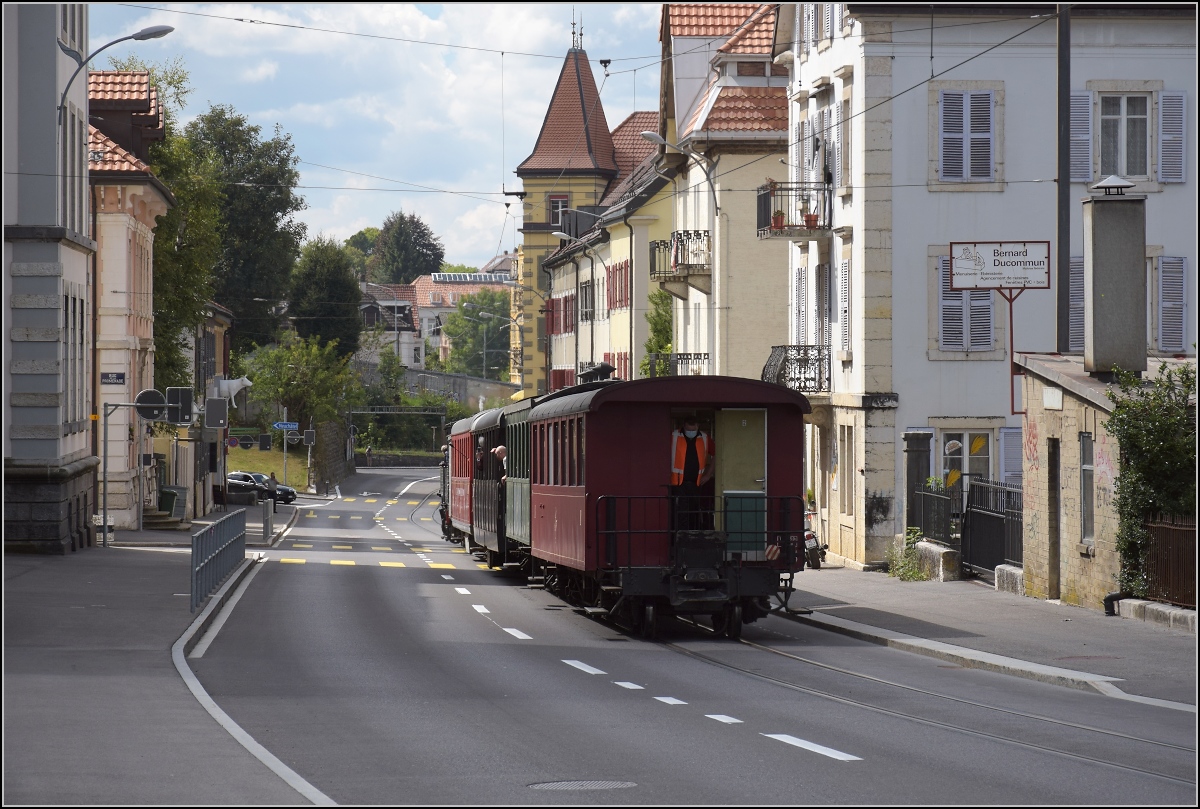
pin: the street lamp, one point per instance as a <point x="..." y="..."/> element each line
<point x="520" y="332"/>
<point x="153" y="32"/>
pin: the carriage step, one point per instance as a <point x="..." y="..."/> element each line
<point x="595" y="611"/>
<point x="533" y="586"/>
<point x="537" y="578"/>
<point x="512" y="564"/>
<point x="611" y="588"/>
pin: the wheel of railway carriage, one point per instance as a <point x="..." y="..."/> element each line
<point x="720" y="620"/>
<point x="493" y="559"/>
<point x="649" y="621"/>
<point x="733" y="621"/>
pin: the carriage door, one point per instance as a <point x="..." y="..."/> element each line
<point x="741" y="478"/>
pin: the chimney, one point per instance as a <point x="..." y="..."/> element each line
<point x="1114" y="273"/>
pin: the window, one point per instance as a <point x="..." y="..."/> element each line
<point x="967" y="452"/>
<point x="846" y="469"/>
<point x="1087" y="504"/>
<point x="965" y="317"/>
<point x="1125" y="135"/>
<point x="557" y="204"/>
<point x="965" y="136"/>
<point x="586" y="301"/>
<point x="1011" y="448"/>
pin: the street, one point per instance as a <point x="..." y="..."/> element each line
<point x="384" y="665"/>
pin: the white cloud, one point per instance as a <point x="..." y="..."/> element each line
<point x="264" y="70"/>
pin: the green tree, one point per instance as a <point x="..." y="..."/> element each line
<point x="312" y="381"/>
<point x="364" y="241"/>
<point x="457" y="268"/>
<point x="480" y="342"/>
<point x="1155" y="427"/>
<point x="660" y="320"/>
<point x="406" y="249"/>
<point x="325" y="296"/>
<point x="261" y="239"/>
<point x="187" y="239"/>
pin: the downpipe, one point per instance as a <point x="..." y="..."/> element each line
<point x="1110" y="601"/>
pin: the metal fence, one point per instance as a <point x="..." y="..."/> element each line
<point x="678" y="364"/>
<point x="799" y="367"/>
<point x="1171" y="559"/>
<point x="938" y="513"/>
<point x="217" y="550"/>
<point x="992" y="526"/>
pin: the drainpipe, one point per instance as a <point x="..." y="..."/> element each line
<point x="633" y="364"/>
<point x="575" y="325"/>
<point x="95" y="380"/>
<point x="1110" y="606"/>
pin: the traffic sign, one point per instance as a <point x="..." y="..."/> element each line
<point x="286" y="425"/>
<point x="151" y="404"/>
<point x="293" y="437"/>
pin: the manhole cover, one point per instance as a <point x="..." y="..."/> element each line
<point x="582" y="785"/>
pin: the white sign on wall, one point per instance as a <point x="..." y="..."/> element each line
<point x="999" y="265"/>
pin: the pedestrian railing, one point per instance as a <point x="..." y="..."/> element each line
<point x="1170" y="560"/>
<point x="938" y="513"/>
<point x="992" y="526"/>
<point x="217" y="550"/>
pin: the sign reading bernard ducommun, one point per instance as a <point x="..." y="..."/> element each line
<point x="999" y="265"/>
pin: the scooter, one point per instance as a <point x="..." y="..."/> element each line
<point x="814" y="551"/>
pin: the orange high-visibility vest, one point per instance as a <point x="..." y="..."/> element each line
<point x="679" y="454"/>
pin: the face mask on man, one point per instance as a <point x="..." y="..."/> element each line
<point x="690" y="433"/>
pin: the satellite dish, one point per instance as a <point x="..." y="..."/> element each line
<point x="151" y="405"/>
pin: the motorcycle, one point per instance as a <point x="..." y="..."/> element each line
<point x="814" y="551"/>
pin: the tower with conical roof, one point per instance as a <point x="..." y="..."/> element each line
<point x="572" y="165"/>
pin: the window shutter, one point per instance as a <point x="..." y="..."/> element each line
<point x="839" y="17"/>
<point x="1076" y="316"/>
<point x="980" y="108"/>
<point x="951" y="134"/>
<point x="1081" y="137"/>
<point x="808" y="26"/>
<point x="1172" y="167"/>
<point x="827" y="305"/>
<point x="981" y="319"/>
<point x="844" y="303"/>
<point x="805" y="150"/>
<point x="1011" y="444"/>
<point x="793" y="305"/>
<point x="827" y="21"/>
<point x="838" y="145"/>
<point x="797" y="160"/>
<point x="801" y="336"/>
<point x="950" y="310"/>
<point x="1172" y="302"/>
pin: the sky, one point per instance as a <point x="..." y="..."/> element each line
<point x="425" y="108"/>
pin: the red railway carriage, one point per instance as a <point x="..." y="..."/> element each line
<point x="608" y="528"/>
<point x="462" y="466"/>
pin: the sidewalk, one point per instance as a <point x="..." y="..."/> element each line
<point x="89" y="677"/>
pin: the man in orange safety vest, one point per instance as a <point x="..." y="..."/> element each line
<point x="692" y="467"/>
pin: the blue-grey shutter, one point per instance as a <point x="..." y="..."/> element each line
<point x="1172" y="302"/>
<point x="808" y="25"/>
<point x="826" y="305"/>
<point x="951" y="134"/>
<point x="801" y="335"/>
<point x="844" y="303"/>
<point x="981" y="135"/>
<point x="1011" y="445"/>
<point x="1075" y="322"/>
<point x="1081" y="137"/>
<point x="981" y="320"/>
<point x="1172" y="143"/>
<point x="950" y="310"/>
<point x="839" y="145"/>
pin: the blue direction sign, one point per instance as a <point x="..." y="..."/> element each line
<point x="286" y="425"/>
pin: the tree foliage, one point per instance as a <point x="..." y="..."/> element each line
<point x="1155" y="426"/>
<point x="476" y="336"/>
<point x="364" y="241"/>
<point x="325" y="296"/>
<point x="261" y="239"/>
<point x="187" y="239"/>
<point x="312" y="381"/>
<point x="660" y="319"/>
<point x="406" y="249"/>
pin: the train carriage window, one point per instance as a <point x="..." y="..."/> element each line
<point x="552" y="445"/>
<point x="579" y="457"/>
<point x="571" y="452"/>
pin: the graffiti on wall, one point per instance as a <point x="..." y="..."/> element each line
<point x="879" y="508"/>
<point x="1105" y="472"/>
<point x="1031" y="445"/>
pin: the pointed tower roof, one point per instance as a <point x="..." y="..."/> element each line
<point x="574" y="137"/>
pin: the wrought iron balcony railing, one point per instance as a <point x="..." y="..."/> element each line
<point x="794" y="209"/>
<point x="802" y="368"/>
<point x="695" y="364"/>
<point x="686" y="252"/>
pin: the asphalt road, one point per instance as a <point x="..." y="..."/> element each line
<point x="384" y="665"/>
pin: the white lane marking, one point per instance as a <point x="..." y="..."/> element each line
<point x="630" y="686"/>
<point x="211" y="635"/>
<point x="816" y="748"/>
<point x="671" y="700"/>
<point x="462" y="590"/>
<point x="479" y="608"/>
<point x="584" y="667"/>
<point x="414" y="483"/>
<point x="720" y="717"/>
<point x="446" y="576"/>
<point x="516" y="633"/>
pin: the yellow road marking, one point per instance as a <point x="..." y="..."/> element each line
<point x="298" y="545"/>
<point x="402" y="519"/>
<point x="293" y="561"/>
<point x="392" y="502"/>
<point x="379" y="518"/>
<point x="371" y="500"/>
<point x="349" y="499"/>
<point x="311" y="514"/>
<point x="343" y="547"/>
<point x="482" y="566"/>
<point x="442" y="565"/>
<point x="457" y="550"/>
<point x="356" y="517"/>
<point x="426" y="519"/>
<point x="435" y="502"/>
<point x="379" y="549"/>
<point x="414" y="502"/>
<point x="335" y="516"/>
<point x="391" y="564"/>
<point x="340" y="562"/>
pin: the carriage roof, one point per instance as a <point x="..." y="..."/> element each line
<point x="695" y="391"/>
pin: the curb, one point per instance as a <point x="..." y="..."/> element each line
<point x="1153" y="612"/>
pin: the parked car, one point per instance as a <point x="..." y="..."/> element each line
<point x="284" y="494"/>
<point x="244" y="482"/>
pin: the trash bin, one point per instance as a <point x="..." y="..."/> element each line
<point x="166" y="501"/>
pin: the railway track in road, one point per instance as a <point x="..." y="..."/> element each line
<point x="1163" y="747"/>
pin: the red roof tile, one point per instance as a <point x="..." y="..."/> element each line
<point x="120" y="89"/>
<point x="745" y="109"/>
<point x="704" y="19"/>
<point x="574" y="134"/>
<point x="632" y="151"/>
<point x="112" y="158"/>
<point x="757" y="36"/>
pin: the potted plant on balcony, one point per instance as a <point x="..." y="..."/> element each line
<point x="810" y="218"/>
<point x="777" y="219"/>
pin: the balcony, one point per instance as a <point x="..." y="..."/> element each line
<point x="800" y="368"/>
<point x="684" y="260"/>
<point x="796" y="211"/>
<point x="678" y="364"/>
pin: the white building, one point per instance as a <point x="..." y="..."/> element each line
<point x="939" y="130"/>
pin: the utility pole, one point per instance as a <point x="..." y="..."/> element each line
<point x="1063" y="261"/>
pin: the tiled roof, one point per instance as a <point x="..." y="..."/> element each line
<point x="112" y="157"/>
<point x="119" y="89"/>
<point x="757" y="36"/>
<point x="744" y="109"/>
<point x="631" y="147"/>
<point x="704" y="19"/>
<point x="574" y="134"/>
<point x="504" y="264"/>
